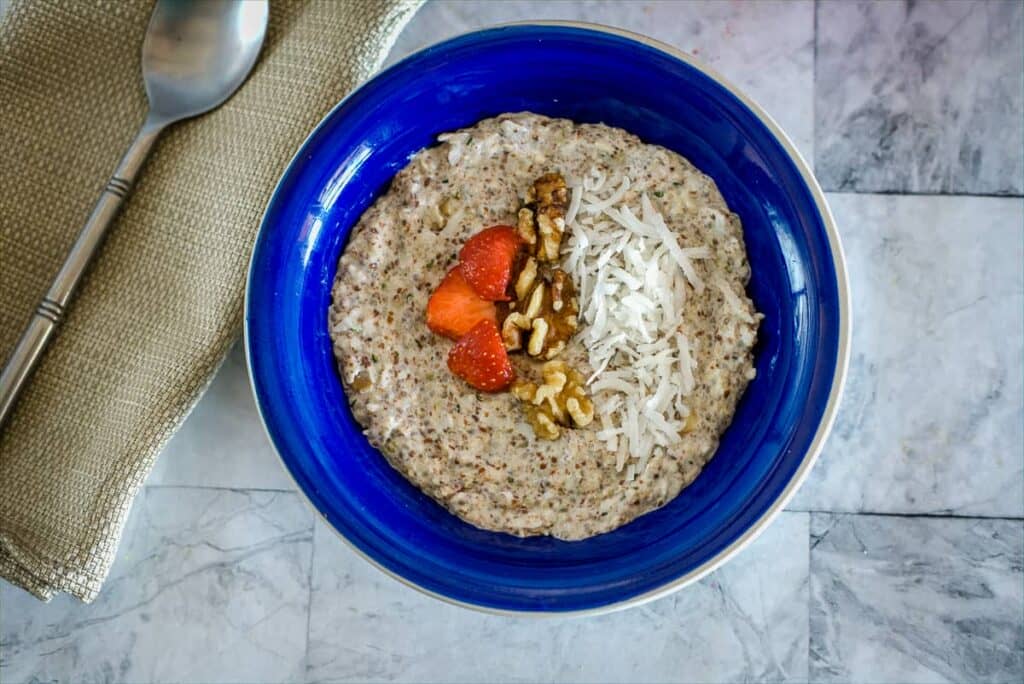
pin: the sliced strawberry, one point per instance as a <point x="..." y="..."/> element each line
<point x="486" y="260"/>
<point x="480" y="359"/>
<point x="455" y="307"/>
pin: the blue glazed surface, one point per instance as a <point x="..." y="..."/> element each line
<point x="588" y="76"/>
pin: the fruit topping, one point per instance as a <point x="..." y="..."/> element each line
<point x="487" y="259"/>
<point x="480" y="359"/>
<point x="455" y="307"/>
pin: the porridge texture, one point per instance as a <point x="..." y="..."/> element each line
<point x="474" y="452"/>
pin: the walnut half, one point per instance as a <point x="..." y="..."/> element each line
<point x="545" y="313"/>
<point x="560" y="401"/>
<point x="541" y="223"/>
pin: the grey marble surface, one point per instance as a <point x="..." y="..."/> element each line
<point x="765" y="47"/>
<point x="223" y="574"/>
<point x="915" y="599"/>
<point x="746" y="622"/>
<point x="931" y="421"/>
<point x="921" y="97"/>
<point x="209" y="585"/>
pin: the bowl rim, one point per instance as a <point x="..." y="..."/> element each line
<point x="842" y="348"/>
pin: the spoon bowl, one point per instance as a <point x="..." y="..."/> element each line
<point x="196" y="54"/>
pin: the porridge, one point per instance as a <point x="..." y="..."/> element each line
<point x="544" y="325"/>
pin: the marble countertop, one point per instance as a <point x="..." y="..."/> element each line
<point x="901" y="559"/>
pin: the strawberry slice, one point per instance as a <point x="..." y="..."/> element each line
<point x="486" y="260"/>
<point x="455" y="307"/>
<point x="480" y="358"/>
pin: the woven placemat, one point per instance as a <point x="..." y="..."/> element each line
<point x="163" y="302"/>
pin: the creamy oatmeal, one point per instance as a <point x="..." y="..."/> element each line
<point x="663" y="348"/>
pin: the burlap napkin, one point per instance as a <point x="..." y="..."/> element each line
<point x="163" y="303"/>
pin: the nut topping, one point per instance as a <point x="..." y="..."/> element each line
<point x="526" y="227"/>
<point x="551" y="229"/>
<point x="560" y="401"/>
<point x="546" y="307"/>
<point x="579" y="415"/>
<point x="537" y="337"/>
<point x="554" y="350"/>
<point x="558" y="283"/>
<point x="544" y="293"/>
<point x="542" y="220"/>
<point x="526" y="278"/>
<point x="533" y="304"/>
<point x="511" y="330"/>
<point x="549" y="190"/>
<point x="549" y="327"/>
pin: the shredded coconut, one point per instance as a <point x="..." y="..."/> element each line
<point x="733" y="301"/>
<point x="456" y="142"/>
<point x="632" y="273"/>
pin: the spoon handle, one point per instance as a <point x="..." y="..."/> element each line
<point x="51" y="310"/>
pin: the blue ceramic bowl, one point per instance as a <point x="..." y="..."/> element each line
<point x="589" y="74"/>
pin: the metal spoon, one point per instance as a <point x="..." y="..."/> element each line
<point x="195" y="55"/>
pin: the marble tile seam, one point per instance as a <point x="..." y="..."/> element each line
<point x="309" y="604"/>
<point x="904" y="193"/>
<point x="884" y="514"/>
